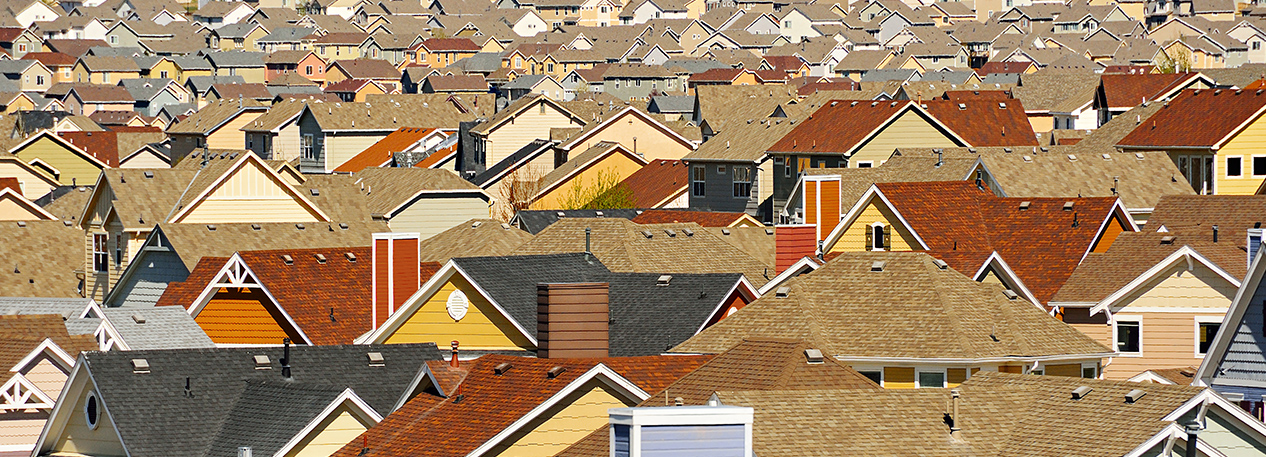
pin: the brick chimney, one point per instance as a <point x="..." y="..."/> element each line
<point x="792" y="243"/>
<point x="571" y="320"/>
<point x="395" y="272"/>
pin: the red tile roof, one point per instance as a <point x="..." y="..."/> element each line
<point x="490" y="402"/>
<point x="1127" y="90"/>
<point x="52" y="59"/>
<point x="1197" y="118"/>
<point x="964" y="225"/>
<point x="657" y="182"/>
<point x="450" y="45"/>
<point x="380" y="153"/>
<point x="703" y="218"/>
<point x="104" y="146"/>
<point x="185" y="292"/>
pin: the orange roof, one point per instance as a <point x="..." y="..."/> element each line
<point x="104" y="146"/>
<point x="1126" y="90"/>
<point x="380" y="153"/>
<point x="51" y="59"/>
<point x="11" y="183"/>
<point x="657" y="182"/>
<point x="703" y="218"/>
<point x="437" y="157"/>
<point x="1197" y="118"/>
<point x="491" y="402"/>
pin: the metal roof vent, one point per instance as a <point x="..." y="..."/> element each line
<point x="315" y="192"/>
<point x="878" y="265"/>
<point x="782" y="292"/>
<point x="320" y="258"/>
<point x="555" y="372"/>
<point x="136" y="317"/>
<point x="350" y="256"/>
<point x="560" y="214"/>
<point x="1107" y="156"/>
<point x="149" y="174"/>
<point x="670" y="233"/>
<point x="647" y="233"/>
<point x="1139" y="155"/>
<point x="962" y="106"/>
<point x="256" y="226"/>
<point x="287" y="259"/>
<point x="598" y="213"/>
<point x="1068" y="205"/>
<point x="1002" y="105"/>
<point x="502" y="368"/>
<point x="211" y="227"/>
<point x="376" y="360"/>
<point x="1006" y="150"/>
<point x="476" y="224"/>
<point x="1024" y="205"/>
<point x="940" y="264"/>
<point x="140" y="366"/>
<point x="769" y="231"/>
<point x="1134" y="395"/>
<point x="1072" y="158"/>
<point x="262" y="362"/>
<point x="814" y="356"/>
<point x="688" y="232"/>
<point x="663" y="280"/>
<point x="21" y="223"/>
<point x="342" y="225"/>
<point x="1167" y="239"/>
<point x="1081" y="392"/>
<point x="1010" y="294"/>
<point x="725" y="231"/>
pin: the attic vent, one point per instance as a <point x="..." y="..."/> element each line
<point x="647" y="233"/>
<point x="1068" y="205"/>
<point x="663" y="280"/>
<point x="149" y="174"/>
<point x="1028" y="159"/>
<point x="598" y="213"/>
<point x="1072" y="158"/>
<point x="140" y="366"/>
<point x="814" y="356"/>
<point x="263" y="363"/>
<point x="688" y="232"/>
<point x="1167" y="240"/>
<point x="1138" y="155"/>
<point x="320" y="258"/>
<point x="255" y="227"/>
<point x="878" y="265"/>
<point x="725" y="231"/>
<point x="502" y="368"/>
<point x="1134" y="395"/>
<point x="560" y="214"/>
<point x="962" y="106"/>
<point x="1107" y="156"/>
<point x="299" y="226"/>
<point x="769" y="231"/>
<point x="350" y="257"/>
<point x="138" y="318"/>
<point x="1045" y="149"/>
<point x="670" y="233"/>
<point x="287" y="259"/>
<point x="782" y="292"/>
<point x="555" y="372"/>
<point x="376" y="360"/>
<point x="211" y="227"/>
<point x="1002" y="105"/>
<point x="1011" y="295"/>
<point x="1006" y="150"/>
<point x="315" y="192"/>
<point x="21" y="223"/>
<point x="1081" y="392"/>
<point x="342" y="225"/>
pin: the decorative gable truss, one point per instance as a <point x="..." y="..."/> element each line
<point x="19" y="393"/>
<point x="236" y="275"/>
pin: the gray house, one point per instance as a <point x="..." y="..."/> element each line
<point x="639" y="81"/>
<point x="153" y="94"/>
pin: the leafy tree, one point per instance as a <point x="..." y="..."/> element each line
<point x="1176" y="61"/>
<point x="606" y="191"/>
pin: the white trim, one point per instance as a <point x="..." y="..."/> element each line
<point x="944" y="377"/>
<point x="610" y="120"/>
<point x="996" y="259"/>
<point x="1225" y="169"/>
<point x="44" y="166"/>
<point x="29" y="205"/>
<point x="45" y="346"/>
<point x="20" y="381"/>
<point x="1183" y="253"/>
<point x="92" y="422"/>
<point x="806" y="264"/>
<point x="59" y="140"/>
<point x="1136" y="318"/>
<point x="742" y="281"/>
<point x="1195" y="340"/>
<point x="348" y="396"/>
<point x="1150" y="376"/>
<point x="622" y="385"/>
<point x="424" y="373"/>
<point x="233" y="169"/>
<point x="983" y="360"/>
<point x="208" y="291"/>
<point x="856" y="211"/>
<point x="1103" y="226"/>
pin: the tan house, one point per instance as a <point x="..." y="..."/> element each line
<point x="638" y="132"/>
<point x="524" y="121"/>
<point x="105" y="70"/>
<point x="30" y="75"/>
<point x="215" y="126"/>
<point x="40" y="355"/>
<point x="86" y="99"/>
<point x="32" y="182"/>
<point x="575" y="182"/>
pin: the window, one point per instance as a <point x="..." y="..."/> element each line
<point x="1090" y="370"/>
<point x="1129" y="335"/>
<point x="1206" y="330"/>
<point x="865" y="164"/>
<point x="306" y="148"/>
<point x="1259" y="165"/>
<point x="604" y="9"/>
<point x="879" y="237"/>
<point x="39" y="80"/>
<point x="518" y="61"/>
<point x="549" y="67"/>
<point x="933" y="379"/>
<point x="786" y="169"/>
<point x="639" y="83"/>
<point x="742" y="182"/>
<point x="1234" y="167"/>
<point x="21" y="48"/>
<point x="118" y="251"/>
<point x="697" y="175"/>
<point x="307" y="70"/>
<point x="105" y="77"/>
<point x="92" y="411"/>
<point x="162" y="74"/>
<point x="114" y="39"/>
<point x="1257" y="45"/>
<point x="875" y="375"/>
<point x="100" y="258"/>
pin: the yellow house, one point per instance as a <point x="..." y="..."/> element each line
<point x="33" y="182"/>
<point x="162" y="68"/>
<point x="575" y="183"/>
<point x="105" y="70"/>
<point x="637" y="131"/>
<point x="66" y="162"/>
<point x="16" y="102"/>
<point x="1224" y="155"/>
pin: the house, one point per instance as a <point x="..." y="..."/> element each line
<point x="333" y="133"/>
<point x="635" y="81"/>
<point x="1216" y="156"/>
<point x="1118" y="93"/>
<point x="357" y="90"/>
<point x="896" y="217"/>
<point x="1059" y="101"/>
<point x="302" y="63"/>
<point x="61" y="159"/>
<point x="105" y="70"/>
<point x="18" y="41"/>
<point x="528" y="118"/>
<point x="60" y="66"/>
<point x="32" y="182"/>
<point x="379" y="71"/>
<point x="407" y="142"/>
<point x="578" y="181"/>
<point x="1159" y="297"/>
<point x="339" y="45"/>
<point x="85" y="99"/>
<point x="843" y="292"/>
<point x="15" y="207"/>
<point x="27" y="75"/>
<point x="217" y="14"/>
<point x="275" y="135"/>
<point x="248" y="65"/>
<point x="636" y="131"/>
<point x="453" y="84"/>
<point x="40" y="353"/>
<point x="224" y="118"/>
<point x="237" y="37"/>
<point x="343" y="390"/>
<point x="703" y="218"/>
<point x="422" y="201"/>
<point x="153" y="94"/>
<point x="441" y="52"/>
<point x="543" y="85"/>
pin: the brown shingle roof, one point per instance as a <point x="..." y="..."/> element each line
<point x="367" y="69"/>
<point x="658" y="182"/>
<point x="450" y="45"/>
<point x="44" y="256"/>
<point x="386" y="189"/>
<point x="703" y="218"/>
<point x="1197" y="118"/>
<point x="473" y="238"/>
<point x="1125" y="90"/>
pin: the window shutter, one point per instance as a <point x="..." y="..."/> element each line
<point x="888" y="237"/>
<point x="870" y="238"/>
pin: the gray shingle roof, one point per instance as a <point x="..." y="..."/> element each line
<point x="269" y="413"/>
<point x="511" y="281"/>
<point x="236" y="59"/>
<point x="145" y="88"/>
<point x="202" y="83"/>
<point x="672" y="104"/>
<point x="66" y="307"/>
<point x="154" y="416"/>
<point x="533" y="221"/>
<point x="158" y="328"/>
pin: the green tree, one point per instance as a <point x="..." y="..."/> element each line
<point x="606" y="191"/>
<point x="1176" y="61"/>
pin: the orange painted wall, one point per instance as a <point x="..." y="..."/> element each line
<point x="240" y="317"/>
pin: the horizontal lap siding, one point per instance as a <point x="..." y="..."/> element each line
<point x="581" y="414"/>
<point x="79" y="438"/>
<point x="854" y="237"/>
<point x="481" y="328"/>
<point x="908" y="131"/>
<point x="335" y="432"/>
<point x="249" y="195"/>
<point x="47" y="377"/>
<point x="530" y="125"/>
<point x="73" y="168"/>
<point x="230" y="135"/>
<point x="1169" y="341"/>
<point x="1245" y="144"/>
<point x="233" y="317"/>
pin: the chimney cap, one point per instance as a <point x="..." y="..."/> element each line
<point x="814" y="356"/>
<point x="1081" y="392"/>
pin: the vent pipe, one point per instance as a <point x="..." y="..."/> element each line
<point x="1215" y="233"/>
<point x="953" y="420"/>
<point x="588" y="252"/>
<point x="285" y="358"/>
<point x="453" y="362"/>
<point x="1193" y="430"/>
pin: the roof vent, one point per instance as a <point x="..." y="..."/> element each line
<point x="140" y="366"/>
<point x="725" y="231"/>
<point x="1107" y="156"/>
<point x="769" y="231"/>
<point x="555" y="372"/>
<point x="211" y="227"/>
<point x="287" y="259"/>
<point x="342" y="225"/>
<point x="1138" y="155"/>
<point x="878" y="265"/>
<point x="940" y="264"/>
<point x="598" y="213"/>
<point x="1002" y="105"/>
<point x="669" y="232"/>
<point x="688" y="232"/>
<point x="663" y="280"/>
<point x="21" y="223"/>
<point x="320" y="258"/>
<point x="814" y="356"/>
<point x="1006" y="150"/>
<point x="1167" y="239"/>
<point x="962" y="106"/>
<point x="1024" y="205"/>
<point x="1072" y="158"/>
<point x="476" y="224"/>
<point x="1028" y="159"/>
<point x="1068" y="205"/>
<point x="560" y="214"/>
<point x="782" y="292"/>
<point x="350" y="256"/>
<point x="315" y="192"/>
<point x="299" y="226"/>
<point x="647" y="233"/>
<point x="149" y="174"/>
<point x="1044" y="149"/>
<point x="502" y="368"/>
<point x="376" y="360"/>
<point x="1081" y="392"/>
<point x="1134" y="395"/>
<point x="1011" y="295"/>
<point x="136" y="317"/>
<point x="263" y="363"/>
<point x="256" y="226"/>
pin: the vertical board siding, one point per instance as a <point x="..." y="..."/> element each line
<point x="577" y="416"/>
<point x="404" y="277"/>
<point x="241" y="317"/>
<point x="482" y="328"/>
<point x="381" y="281"/>
<point x="829" y="215"/>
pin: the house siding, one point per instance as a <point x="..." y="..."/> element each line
<point x="719" y="189"/>
<point x="617" y="164"/>
<point x="529" y="125"/>
<point x="910" y="130"/>
<point x="1246" y="144"/>
<point x="75" y="170"/>
<point x="230" y="135"/>
<point x="81" y="439"/>
<point x="482" y="328"/>
<point x="336" y="431"/>
<point x="154" y="270"/>
<point x="436" y="213"/>
<point x="249" y="195"/>
<point x="854" y="237"/>
<point x="234" y="317"/>
<point x="585" y="410"/>
<point x="651" y="143"/>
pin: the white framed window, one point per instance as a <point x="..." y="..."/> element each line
<point x="786" y="169"/>
<point x="865" y="164"/>
<point x="1127" y="334"/>
<point x="306" y="148"/>
<point x="1259" y="165"/>
<point x="697" y="180"/>
<point x="92" y="411"/>
<point x="105" y="77"/>
<point x="1206" y="328"/>
<point x="878" y="237"/>
<point x="1234" y="167"/>
<point x="1090" y="370"/>
<point x="742" y="182"/>
<point x="929" y="378"/>
<point x="114" y="39"/>
<point x="100" y="252"/>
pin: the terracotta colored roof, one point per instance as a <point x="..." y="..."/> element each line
<point x="840" y="125"/>
<point x="491" y="402"/>
<point x="8" y="34"/>
<point x="657" y="182"/>
<point x="104" y="146"/>
<point x="74" y="48"/>
<point x="846" y="84"/>
<point x="51" y="59"/>
<point x="450" y="44"/>
<point x="11" y="183"/>
<point x="184" y="293"/>
<point x="785" y="63"/>
<point x="986" y="122"/>
<point x="1197" y="118"/>
<point x="1126" y="90"/>
<point x="1004" y="67"/>
<point x="724" y="75"/>
<point x="380" y="153"/>
<point x="438" y="156"/>
<point x="964" y="225"/>
<point x="703" y="218"/>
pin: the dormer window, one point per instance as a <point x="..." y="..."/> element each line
<point x="878" y="237"/>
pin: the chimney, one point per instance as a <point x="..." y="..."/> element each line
<point x="395" y="272"/>
<point x="572" y="320"/>
<point x="793" y="242"/>
<point x="285" y="358"/>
